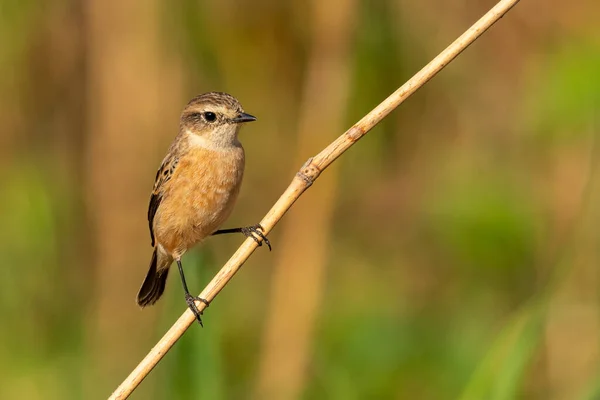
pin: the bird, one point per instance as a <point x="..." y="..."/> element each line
<point x="195" y="190"/>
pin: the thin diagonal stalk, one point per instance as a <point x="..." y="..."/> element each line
<point x="305" y="177"/>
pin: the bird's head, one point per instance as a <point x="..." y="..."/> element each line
<point x="214" y="119"/>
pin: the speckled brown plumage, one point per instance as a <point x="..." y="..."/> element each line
<point x="196" y="186"/>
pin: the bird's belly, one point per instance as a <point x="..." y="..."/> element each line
<point x="198" y="215"/>
<point x="208" y="210"/>
<point x="198" y="204"/>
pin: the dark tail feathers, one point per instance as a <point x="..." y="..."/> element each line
<point x="154" y="284"/>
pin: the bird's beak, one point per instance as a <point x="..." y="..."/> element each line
<point x="243" y="117"/>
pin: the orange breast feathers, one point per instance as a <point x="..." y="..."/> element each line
<point x="198" y="198"/>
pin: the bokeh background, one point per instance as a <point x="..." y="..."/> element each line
<point x="451" y="254"/>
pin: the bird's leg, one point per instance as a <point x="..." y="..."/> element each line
<point x="189" y="299"/>
<point x="249" y="231"/>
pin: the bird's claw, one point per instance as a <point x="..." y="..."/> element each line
<point x="249" y="231"/>
<point x="191" y="302"/>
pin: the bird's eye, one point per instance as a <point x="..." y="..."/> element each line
<point x="210" y="116"/>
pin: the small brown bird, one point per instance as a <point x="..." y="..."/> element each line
<point x="195" y="189"/>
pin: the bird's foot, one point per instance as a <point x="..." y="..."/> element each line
<point x="191" y="302"/>
<point x="251" y="231"/>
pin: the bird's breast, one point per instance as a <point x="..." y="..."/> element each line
<point x="200" y="196"/>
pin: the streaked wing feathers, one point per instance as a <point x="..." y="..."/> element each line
<point x="163" y="175"/>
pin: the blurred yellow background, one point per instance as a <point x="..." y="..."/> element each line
<point x="451" y="254"/>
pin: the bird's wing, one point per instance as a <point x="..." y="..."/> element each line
<point x="163" y="175"/>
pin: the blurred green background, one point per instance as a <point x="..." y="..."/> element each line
<point x="451" y="254"/>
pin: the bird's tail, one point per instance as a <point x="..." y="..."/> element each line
<point x="154" y="284"/>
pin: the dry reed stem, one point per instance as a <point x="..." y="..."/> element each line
<point x="288" y="337"/>
<point x="309" y="172"/>
<point x="126" y="84"/>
